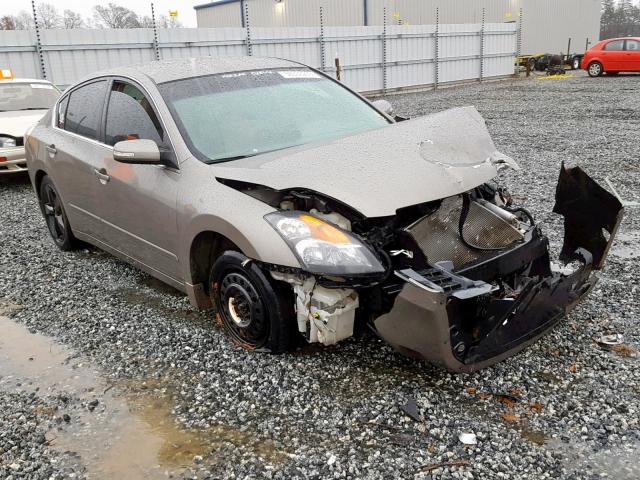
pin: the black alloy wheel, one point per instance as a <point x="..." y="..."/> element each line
<point x="55" y="216"/>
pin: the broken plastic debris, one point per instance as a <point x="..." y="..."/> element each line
<point x="468" y="438"/>
<point x="608" y="342"/>
<point x="411" y="409"/>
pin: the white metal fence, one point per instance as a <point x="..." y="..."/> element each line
<point x="373" y="59"/>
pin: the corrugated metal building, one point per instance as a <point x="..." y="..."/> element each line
<point x="547" y="25"/>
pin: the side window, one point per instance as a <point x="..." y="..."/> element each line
<point x="130" y="116"/>
<point x="62" y="111"/>
<point x="616" y="45"/>
<point x="84" y="110"/>
<point x="633" y="45"/>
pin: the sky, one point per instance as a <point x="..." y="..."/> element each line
<point x="186" y="13"/>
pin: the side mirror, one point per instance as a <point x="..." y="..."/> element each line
<point x="384" y="107"/>
<point x="137" y="151"/>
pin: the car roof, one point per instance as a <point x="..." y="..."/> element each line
<point x="180" y="68"/>
<point x="24" y="80"/>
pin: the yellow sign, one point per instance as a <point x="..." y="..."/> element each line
<point x="397" y="14"/>
<point x="173" y="13"/>
<point x="508" y="15"/>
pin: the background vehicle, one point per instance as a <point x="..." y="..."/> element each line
<point x="295" y="206"/>
<point x="23" y="102"/>
<point x="613" y="56"/>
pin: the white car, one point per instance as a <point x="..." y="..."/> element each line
<point x="23" y="102"/>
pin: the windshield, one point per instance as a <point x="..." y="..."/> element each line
<point x="236" y="115"/>
<point x="27" y="96"/>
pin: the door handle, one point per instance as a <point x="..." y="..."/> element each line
<point x="102" y="175"/>
<point x="51" y="149"/>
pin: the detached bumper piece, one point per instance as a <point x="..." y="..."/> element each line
<point x="468" y="317"/>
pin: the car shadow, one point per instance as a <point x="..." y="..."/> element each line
<point x="630" y="74"/>
<point x="17" y="179"/>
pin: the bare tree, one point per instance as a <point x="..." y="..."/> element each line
<point x="7" y="22"/>
<point x="24" y="20"/>
<point x="48" y="16"/>
<point x="115" y="16"/>
<point x="71" y="19"/>
<point x="146" y="22"/>
<point x="168" y="22"/>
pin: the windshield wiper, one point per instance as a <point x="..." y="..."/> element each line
<point x="238" y="157"/>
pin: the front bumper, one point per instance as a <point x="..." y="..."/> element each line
<point x="12" y="160"/>
<point x="463" y="321"/>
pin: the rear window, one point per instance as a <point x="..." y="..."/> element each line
<point x="84" y="110"/>
<point x="27" y="96"/>
<point x="615" y="45"/>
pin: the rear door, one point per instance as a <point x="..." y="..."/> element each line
<point x="141" y="215"/>
<point x="632" y="56"/>
<point x="613" y="56"/>
<point x="78" y="156"/>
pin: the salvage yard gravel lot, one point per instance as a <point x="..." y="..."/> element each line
<point x="563" y="408"/>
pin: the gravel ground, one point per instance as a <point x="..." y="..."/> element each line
<point x="24" y="450"/>
<point x="563" y="408"/>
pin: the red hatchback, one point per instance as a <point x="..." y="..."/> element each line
<point x="613" y="56"/>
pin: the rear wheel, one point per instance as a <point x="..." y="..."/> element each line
<point x="255" y="311"/>
<point x="55" y="216"/>
<point x="595" y="69"/>
<point x="576" y="63"/>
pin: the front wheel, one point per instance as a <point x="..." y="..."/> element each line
<point x="55" y="216"/>
<point x="255" y="311"/>
<point x="595" y="69"/>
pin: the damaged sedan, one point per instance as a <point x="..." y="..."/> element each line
<point x="301" y="211"/>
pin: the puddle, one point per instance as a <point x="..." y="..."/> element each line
<point x="534" y="436"/>
<point x="616" y="461"/>
<point x="627" y="245"/>
<point x="162" y="287"/>
<point x="136" y="296"/>
<point x="132" y="433"/>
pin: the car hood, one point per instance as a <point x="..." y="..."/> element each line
<point x="17" y="123"/>
<point x="382" y="170"/>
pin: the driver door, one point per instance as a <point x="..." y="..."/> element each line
<point x="141" y="218"/>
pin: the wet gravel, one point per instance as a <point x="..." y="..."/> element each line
<point x="563" y="408"/>
<point x="25" y="421"/>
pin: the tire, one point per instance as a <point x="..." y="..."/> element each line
<point x="595" y="69"/>
<point x="575" y="64"/>
<point x="56" y="217"/>
<point x="255" y="312"/>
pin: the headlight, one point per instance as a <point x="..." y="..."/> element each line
<point x="323" y="248"/>
<point x="6" y="142"/>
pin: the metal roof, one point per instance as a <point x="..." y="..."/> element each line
<point x="215" y="4"/>
<point x="179" y="68"/>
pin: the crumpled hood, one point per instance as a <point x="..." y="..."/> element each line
<point x="17" y="123"/>
<point x="380" y="171"/>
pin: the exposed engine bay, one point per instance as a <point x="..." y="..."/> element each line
<point x="467" y="279"/>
